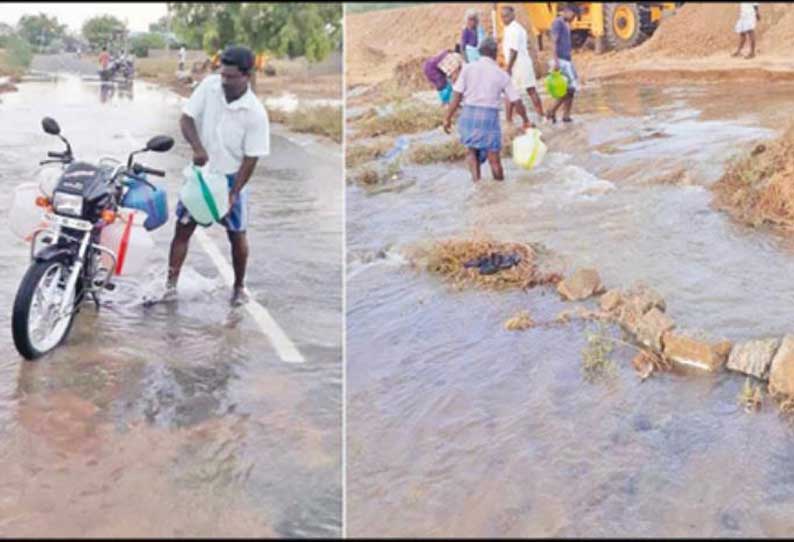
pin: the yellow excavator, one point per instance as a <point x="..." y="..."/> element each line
<point x="614" y="25"/>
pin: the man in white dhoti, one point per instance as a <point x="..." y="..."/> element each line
<point x="745" y="26"/>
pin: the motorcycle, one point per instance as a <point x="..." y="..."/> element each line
<point x="118" y="68"/>
<point x="66" y="255"/>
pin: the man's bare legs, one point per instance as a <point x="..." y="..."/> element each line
<point x="533" y="95"/>
<point x="566" y="108"/>
<point x="239" y="242"/>
<point x="473" y="162"/>
<point x="742" y="38"/>
<point x="495" y="161"/>
<point x="176" y="256"/>
<point x="751" y="35"/>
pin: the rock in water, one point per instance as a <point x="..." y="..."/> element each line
<point x="582" y="284"/>
<point x="686" y="348"/>
<point x="781" y="373"/>
<point x="753" y="357"/>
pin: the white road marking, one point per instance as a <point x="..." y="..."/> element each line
<point x="283" y="345"/>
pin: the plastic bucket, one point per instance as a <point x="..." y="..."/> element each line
<point x="128" y="238"/>
<point x="25" y="216"/>
<point x="556" y="84"/>
<point x="528" y="149"/>
<point x="153" y="202"/>
<point x="205" y="194"/>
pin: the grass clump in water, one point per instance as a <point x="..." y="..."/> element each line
<point x="356" y="155"/>
<point x="448" y="151"/>
<point x="596" y="360"/>
<point x="759" y="187"/>
<point x="409" y="119"/>
<point x="750" y="397"/>
<point x="520" y="322"/>
<point x="448" y="258"/>
<point x="325" y="120"/>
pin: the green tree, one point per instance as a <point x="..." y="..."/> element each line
<point x="18" y="51"/>
<point x="40" y="30"/>
<point x="285" y="29"/>
<point x="103" y="29"/>
<point x="140" y="45"/>
<point x="163" y="24"/>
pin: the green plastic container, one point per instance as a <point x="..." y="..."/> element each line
<point x="556" y="84"/>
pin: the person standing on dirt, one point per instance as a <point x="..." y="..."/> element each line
<point x="227" y="126"/>
<point x="182" y="58"/>
<point x="745" y="26"/>
<point x="519" y="62"/>
<point x="561" y="38"/>
<point x="471" y="36"/>
<point x="442" y="70"/>
<point x="481" y="86"/>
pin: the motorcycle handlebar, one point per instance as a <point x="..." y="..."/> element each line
<point x="140" y="179"/>
<point x="139" y="168"/>
<point x="53" y="154"/>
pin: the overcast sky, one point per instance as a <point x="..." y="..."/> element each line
<point x="138" y="15"/>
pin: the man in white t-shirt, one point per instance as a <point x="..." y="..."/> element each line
<point x="182" y="58"/>
<point x="227" y="126"/>
<point x="519" y="63"/>
<point x="745" y="26"/>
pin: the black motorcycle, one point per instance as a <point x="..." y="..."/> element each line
<point x="66" y="257"/>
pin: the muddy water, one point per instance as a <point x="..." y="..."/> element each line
<point x="458" y="427"/>
<point x="177" y="419"/>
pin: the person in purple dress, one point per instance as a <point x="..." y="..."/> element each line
<point x="442" y="70"/>
<point x="471" y="36"/>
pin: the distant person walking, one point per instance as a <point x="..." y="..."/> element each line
<point x="441" y="71"/>
<point x="182" y="58"/>
<point x="226" y="125"/>
<point x="519" y="63"/>
<point x="745" y="26"/>
<point x="471" y="36"/>
<point x="561" y="38"/>
<point x="480" y="87"/>
<point x="104" y="58"/>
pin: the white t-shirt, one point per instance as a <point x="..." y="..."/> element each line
<point x="515" y="37"/>
<point x="228" y="131"/>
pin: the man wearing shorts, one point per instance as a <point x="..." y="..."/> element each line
<point x="561" y="36"/>
<point x="519" y="63"/>
<point x="227" y="127"/>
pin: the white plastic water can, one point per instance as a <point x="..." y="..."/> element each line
<point x="25" y="216"/>
<point x="528" y="149"/>
<point x="207" y="201"/>
<point x="127" y="237"/>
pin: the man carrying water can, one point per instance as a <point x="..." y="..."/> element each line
<point x="227" y="127"/>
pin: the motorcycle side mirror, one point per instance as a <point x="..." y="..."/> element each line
<point x="160" y="143"/>
<point x="50" y="126"/>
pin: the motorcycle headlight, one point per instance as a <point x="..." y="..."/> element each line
<point x="68" y="204"/>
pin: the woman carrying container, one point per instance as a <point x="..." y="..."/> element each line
<point x="442" y="70"/>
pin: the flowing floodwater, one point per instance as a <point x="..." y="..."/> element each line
<point x="458" y="427"/>
<point x="177" y="419"/>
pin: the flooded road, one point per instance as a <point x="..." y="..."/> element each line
<point x="457" y="427"/>
<point x="178" y="420"/>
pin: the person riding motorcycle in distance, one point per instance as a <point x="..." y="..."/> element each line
<point x="227" y="126"/>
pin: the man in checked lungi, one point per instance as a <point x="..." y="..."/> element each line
<point x="480" y="87"/>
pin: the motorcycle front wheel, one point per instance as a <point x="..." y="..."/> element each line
<point x="37" y="324"/>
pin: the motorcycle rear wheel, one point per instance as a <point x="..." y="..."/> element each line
<point x="36" y="305"/>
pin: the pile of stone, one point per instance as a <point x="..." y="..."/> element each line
<point x="640" y="311"/>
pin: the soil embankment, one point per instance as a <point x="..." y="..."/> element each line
<point x="694" y="43"/>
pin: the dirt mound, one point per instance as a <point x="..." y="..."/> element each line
<point x="448" y="259"/>
<point x="759" y="188"/>
<point x="704" y="29"/>
<point x="410" y="76"/>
